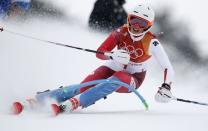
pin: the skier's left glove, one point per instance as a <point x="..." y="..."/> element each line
<point x="164" y="94"/>
<point x="120" y="56"/>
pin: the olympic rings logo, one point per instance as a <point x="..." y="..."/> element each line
<point x="134" y="53"/>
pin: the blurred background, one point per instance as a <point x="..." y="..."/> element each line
<point x="28" y="66"/>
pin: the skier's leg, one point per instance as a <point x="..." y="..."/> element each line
<point x="68" y="92"/>
<point x="43" y="98"/>
<point x="101" y="90"/>
<point x="139" y="76"/>
<point x="92" y="95"/>
<point x="102" y="72"/>
<point x="60" y="95"/>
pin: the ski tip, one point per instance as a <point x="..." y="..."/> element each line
<point x="17" y="108"/>
<point x="55" y="109"/>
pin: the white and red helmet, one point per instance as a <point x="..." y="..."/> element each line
<point x="142" y="16"/>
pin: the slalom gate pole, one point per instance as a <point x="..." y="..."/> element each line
<point x="50" y="42"/>
<point x="189" y="101"/>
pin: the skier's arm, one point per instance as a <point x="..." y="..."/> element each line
<point x="160" y="55"/>
<point x="163" y="94"/>
<point x="107" y="46"/>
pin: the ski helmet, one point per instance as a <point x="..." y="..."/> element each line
<point x="141" y="17"/>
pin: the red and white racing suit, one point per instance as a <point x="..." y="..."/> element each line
<point x="140" y="52"/>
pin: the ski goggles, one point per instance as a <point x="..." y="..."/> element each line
<point x="137" y="22"/>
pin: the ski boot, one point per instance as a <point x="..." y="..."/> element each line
<point x="68" y="106"/>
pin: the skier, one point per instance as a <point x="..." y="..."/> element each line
<point x="134" y="44"/>
<point x="13" y="8"/>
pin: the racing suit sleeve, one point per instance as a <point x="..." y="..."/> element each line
<point x="161" y="57"/>
<point x="107" y="46"/>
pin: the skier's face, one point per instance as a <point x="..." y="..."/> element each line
<point x="136" y="30"/>
<point x="137" y="25"/>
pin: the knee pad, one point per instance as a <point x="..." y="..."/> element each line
<point x="126" y="78"/>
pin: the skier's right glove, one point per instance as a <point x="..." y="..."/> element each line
<point x="164" y="94"/>
<point x="120" y="56"/>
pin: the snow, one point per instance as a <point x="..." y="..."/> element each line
<point x="28" y="66"/>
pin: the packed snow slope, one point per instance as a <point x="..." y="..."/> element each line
<point x="28" y="66"/>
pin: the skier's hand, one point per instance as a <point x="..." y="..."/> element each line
<point x="120" y="56"/>
<point x="164" y="94"/>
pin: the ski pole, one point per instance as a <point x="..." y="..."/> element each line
<point x="186" y="101"/>
<point x="51" y="42"/>
<point x="189" y="101"/>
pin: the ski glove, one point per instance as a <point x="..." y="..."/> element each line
<point x="120" y="56"/>
<point x="164" y="94"/>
